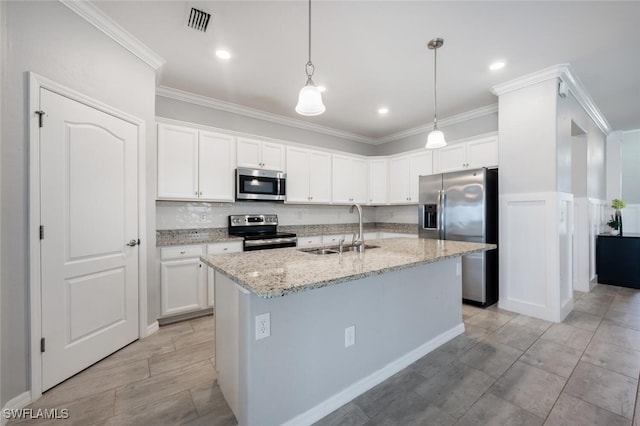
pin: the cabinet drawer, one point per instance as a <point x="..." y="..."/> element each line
<point x="181" y="252"/>
<point x="227" y="247"/>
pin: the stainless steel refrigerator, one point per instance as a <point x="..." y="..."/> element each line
<point x="463" y="206"/>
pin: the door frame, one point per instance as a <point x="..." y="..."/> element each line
<point x="35" y="83"/>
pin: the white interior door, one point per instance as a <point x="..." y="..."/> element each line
<point x="89" y="213"/>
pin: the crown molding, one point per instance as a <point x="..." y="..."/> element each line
<point x="180" y="95"/>
<point x="89" y="12"/>
<point x="566" y="73"/>
<point x="569" y="76"/>
<point x="448" y="121"/>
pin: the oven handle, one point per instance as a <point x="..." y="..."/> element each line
<point x="270" y="241"/>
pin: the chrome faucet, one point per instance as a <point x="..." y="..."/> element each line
<point x="359" y="241"/>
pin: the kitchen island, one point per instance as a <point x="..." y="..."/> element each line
<point x="338" y="324"/>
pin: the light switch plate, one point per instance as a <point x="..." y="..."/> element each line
<point x="350" y="336"/>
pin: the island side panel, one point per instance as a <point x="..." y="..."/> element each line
<point x="303" y="370"/>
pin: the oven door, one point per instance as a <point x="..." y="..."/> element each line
<point x="269" y="243"/>
<point x="266" y="185"/>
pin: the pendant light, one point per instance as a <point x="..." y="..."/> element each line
<point x="310" y="98"/>
<point x="435" y="139"/>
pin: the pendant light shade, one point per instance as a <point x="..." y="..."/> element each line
<point x="310" y="98"/>
<point x="435" y="139"/>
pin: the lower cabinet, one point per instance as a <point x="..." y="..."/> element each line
<point x="186" y="284"/>
<point x="182" y="280"/>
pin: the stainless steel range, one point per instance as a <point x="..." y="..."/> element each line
<point x="260" y="232"/>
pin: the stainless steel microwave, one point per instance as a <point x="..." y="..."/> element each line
<point x="260" y="185"/>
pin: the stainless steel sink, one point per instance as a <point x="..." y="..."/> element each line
<point x="318" y="251"/>
<point x="334" y="249"/>
<point x="351" y="248"/>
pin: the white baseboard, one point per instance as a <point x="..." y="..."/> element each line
<point x="358" y="388"/>
<point x="16" y="403"/>
<point x="152" y="328"/>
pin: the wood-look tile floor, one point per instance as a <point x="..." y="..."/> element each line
<point x="506" y="369"/>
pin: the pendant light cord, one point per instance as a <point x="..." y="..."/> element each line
<point x="435" y="87"/>
<point x="309" y="68"/>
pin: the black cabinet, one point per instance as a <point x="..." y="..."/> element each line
<point x="618" y="260"/>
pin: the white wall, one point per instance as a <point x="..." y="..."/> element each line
<point x="49" y="39"/>
<point x="3" y="69"/>
<point x="192" y="113"/>
<point x="527" y="151"/>
<point x="630" y="160"/>
<point x="614" y="165"/>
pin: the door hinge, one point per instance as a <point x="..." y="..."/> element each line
<point x="42" y="232"/>
<point x="40" y="118"/>
<point x="42" y="344"/>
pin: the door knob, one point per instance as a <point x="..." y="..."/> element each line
<point x="133" y="243"/>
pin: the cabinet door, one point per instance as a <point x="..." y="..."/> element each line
<point x="342" y="179"/>
<point x="358" y="180"/>
<point x="378" y="172"/>
<point x="297" y="175"/>
<point x="452" y="158"/>
<point x="399" y="180"/>
<point x="320" y="177"/>
<point x="216" y="167"/>
<point x="420" y="164"/>
<point x="272" y="156"/>
<point x="482" y="153"/>
<point x="182" y="286"/>
<point x="248" y="153"/>
<point x="177" y="162"/>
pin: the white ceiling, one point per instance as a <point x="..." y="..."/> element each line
<point x="370" y="54"/>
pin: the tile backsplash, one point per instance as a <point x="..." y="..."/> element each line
<point x="188" y="215"/>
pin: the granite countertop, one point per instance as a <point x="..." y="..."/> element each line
<point x="275" y="273"/>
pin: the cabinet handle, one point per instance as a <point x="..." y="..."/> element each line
<point x="200" y="193"/>
<point x="183" y="252"/>
<point x="226" y="248"/>
<point x="199" y="265"/>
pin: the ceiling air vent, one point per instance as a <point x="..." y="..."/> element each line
<point x="198" y="19"/>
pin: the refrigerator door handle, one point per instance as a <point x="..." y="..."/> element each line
<point x="439" y="215"/>
<point x="443" y="203"/>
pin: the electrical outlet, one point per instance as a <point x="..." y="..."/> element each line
<point x="349" y="336"/>
<point x="203" y="217"/>
<point x="263" y="326"/>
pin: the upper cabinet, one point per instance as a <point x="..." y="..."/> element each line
<point x="257" y="154"/>
<point x="404" y="171"/>
<point x="194" y="165"/>
<point x="308" y="176"/>
<point x="378" y="173"/>
<point x="468" y="155"/>
<point x="349" y="182"/>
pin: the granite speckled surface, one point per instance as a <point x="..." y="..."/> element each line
<point x="174" y="237"/>
<point x="275" y="273"/>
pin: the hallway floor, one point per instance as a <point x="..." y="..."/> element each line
<point x="506" y="369"/>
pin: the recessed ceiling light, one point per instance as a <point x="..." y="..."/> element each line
<point x="321" y="89"/>
<point x="383" y="110"/>
<point x="497" y="66"/>
<point x="223" y="54"/>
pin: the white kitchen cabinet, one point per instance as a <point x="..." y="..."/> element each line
<point x="378" y="172"/>
<point x="195" y="165"/>
<point x="403" y="176"/>
<point x="308" y="176"/>
<point x="182" y="280"/>
<point x="257" y="154"/>
<point x="468" y="155"/>
<point x="349" y="179"/>
<point x="219" y="248"/>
